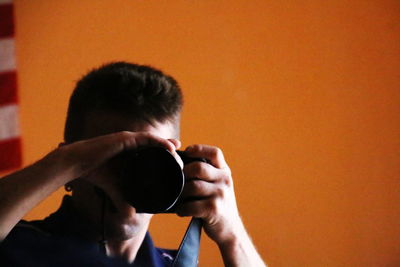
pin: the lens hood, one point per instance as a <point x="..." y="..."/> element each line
<point x="151" y="179"/>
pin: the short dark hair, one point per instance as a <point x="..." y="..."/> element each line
<point x="140" y="92"/>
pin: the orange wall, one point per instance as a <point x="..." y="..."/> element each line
<point x="303" y="97"/>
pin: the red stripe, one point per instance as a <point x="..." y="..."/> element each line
<point x="6" y="20"/>
<point x="10" y="154"/>
<point x="8" y="88"/>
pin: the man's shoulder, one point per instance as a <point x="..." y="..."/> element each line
<point x="60" y="238"/>
<point x="29" y="244"/>
<point x="25" y="233"/>
<point x="32" y="227"/>
<point x="32" y="242"/>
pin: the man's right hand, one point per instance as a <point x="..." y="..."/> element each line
<point x="23" y="190"/>
<point x="86" y="155"/>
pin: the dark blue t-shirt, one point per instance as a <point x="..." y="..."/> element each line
<point x="58" y="241"/>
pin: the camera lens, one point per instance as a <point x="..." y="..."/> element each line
<point x="151" y="179"/>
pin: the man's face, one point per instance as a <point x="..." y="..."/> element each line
<point x="121" y="221"/>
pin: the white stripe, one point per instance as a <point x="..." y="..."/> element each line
<point x="9" y="127"/>
<point x="5" y="1"/>
<point x="7" y="55"/>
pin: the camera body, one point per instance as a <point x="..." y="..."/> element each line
<point x="150" y="179"/>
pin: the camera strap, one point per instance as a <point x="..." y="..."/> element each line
<point x="188" y="252"/>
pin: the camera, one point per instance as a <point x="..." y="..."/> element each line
<point x="150" y="179"/>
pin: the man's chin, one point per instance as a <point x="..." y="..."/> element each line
<point x="128" y="228"/>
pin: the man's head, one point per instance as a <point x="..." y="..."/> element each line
<point x="137" y="93"/>
<point x="119" y="97"/>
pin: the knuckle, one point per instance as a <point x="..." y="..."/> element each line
<point x="216" y="151"/>
<point x="124" y="134"/>
<point x="197" y="169"/>
<point x="228" y="171"/>
<point x="226" y="178"/>
<point x="124" y="137"/>
<point x="220" y="192"/>
<point x="212" y="206"/>
<point x="201" y="169"/>
<point x="147" y="135"/>
<point x="196" y="147"/>
<point x="194" y="185"/>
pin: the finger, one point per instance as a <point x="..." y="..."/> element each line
<point x="117" y="142"/>
<point x="148" y="139"/>
<point x="132" y="140"/>
<point x="204" y="171"/>
<point x="211" y="153"/>
<point x="88" y="154"/>
<point x="197" y="208"/>
<point x="198" y="189"/>
<point x="176" y="143"/>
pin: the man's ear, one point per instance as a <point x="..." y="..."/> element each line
<point x="70" y="186"/>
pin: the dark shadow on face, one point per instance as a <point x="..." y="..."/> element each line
<point x="121" y="222"/>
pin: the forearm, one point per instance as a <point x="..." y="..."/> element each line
<point x="23" y="190"/>
<point x="239" y="250"/>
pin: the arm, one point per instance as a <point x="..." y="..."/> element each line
<point x="239" y="250"/>
<point x="211" y="185"/>
<point x="23" y="190"/>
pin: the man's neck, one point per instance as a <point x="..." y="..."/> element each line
<point x="119" y="244"/>
<point x="125" y="249"/>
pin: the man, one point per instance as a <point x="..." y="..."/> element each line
<point x="114" y="108"/>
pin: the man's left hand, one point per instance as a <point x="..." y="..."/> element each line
<point x="209" y="194"/>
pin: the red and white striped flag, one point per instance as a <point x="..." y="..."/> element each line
<point x="10" y="140"/>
